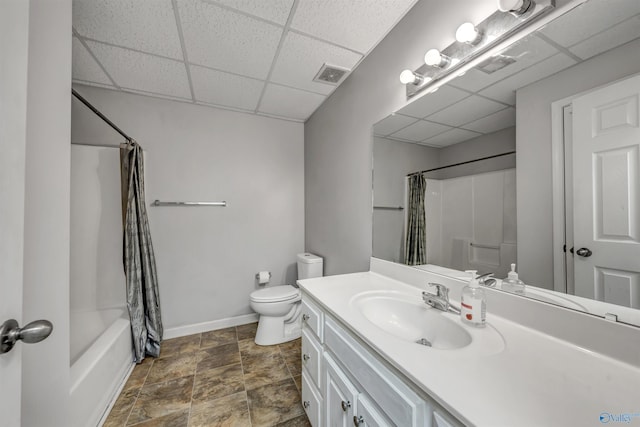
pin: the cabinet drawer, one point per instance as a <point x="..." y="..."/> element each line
<point x="312" y="317"/>
<point x="402" y="405"/>
<point x="312" y="357"/>
<point x="311" y="401"/>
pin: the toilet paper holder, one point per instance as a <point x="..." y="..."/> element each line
<point x="258" y="276"/>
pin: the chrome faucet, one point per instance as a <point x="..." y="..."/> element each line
<point x="487" y="280"/>
<point x="439" y="300"/>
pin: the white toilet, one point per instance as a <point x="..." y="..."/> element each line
<point x="279" y="306"/>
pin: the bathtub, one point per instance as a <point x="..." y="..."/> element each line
<point x="101" y="359"/>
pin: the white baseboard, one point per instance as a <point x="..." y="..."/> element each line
<point x="196" y="328"/>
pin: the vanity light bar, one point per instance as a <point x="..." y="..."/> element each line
<point x="472" y="41"/>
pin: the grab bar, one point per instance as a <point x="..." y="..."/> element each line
<point x="389" y="208"/>
<point x="159" y="203"/>
<point x="477" y="245"/>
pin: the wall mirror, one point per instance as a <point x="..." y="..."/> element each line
<point x="532" y="157"/>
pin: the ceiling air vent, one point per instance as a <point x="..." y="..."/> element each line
<point x="495" y="63"/>
<point x="330" y="74"/>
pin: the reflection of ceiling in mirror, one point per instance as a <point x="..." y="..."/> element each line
<point x="481" y="102"/>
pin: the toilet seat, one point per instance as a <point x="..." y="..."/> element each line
<point x="275" y="294"/>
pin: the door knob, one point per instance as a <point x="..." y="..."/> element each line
<point x="345" y="405"/>
<point x="31" y="333"/>
<point x="584" y="252"/>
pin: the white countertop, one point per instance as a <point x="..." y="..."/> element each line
<point x="532" y="380"/>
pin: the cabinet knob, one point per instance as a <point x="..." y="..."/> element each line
<point x="305" y="317"/>
<point x="306" y="404"/>
<point x="306" y="357"/>
<point x="345" y="405"/>
<point x="357" y="420"/>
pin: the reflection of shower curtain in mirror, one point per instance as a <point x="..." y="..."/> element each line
<point x="415" y="247"/>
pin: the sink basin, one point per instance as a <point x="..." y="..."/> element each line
<point x="411" y="320"/>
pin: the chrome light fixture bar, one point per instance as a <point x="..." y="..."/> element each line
<point x="472" y="41"/>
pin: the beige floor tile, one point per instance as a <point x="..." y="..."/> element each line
<point x="219" y="382"/>
<point x="121" y="409"/>
<point x="176" y="419"/>
<point x="263" y="367"/>
<point x="172" y="367"/>
<point x="229" y="411"/>
<point x="298" y="380"/>
<point x="173" y="346"/>
<point x="214" y="357"/>
<point x="247" y="331"/>
<point x="219" y="337"/>
<point x="274" y="403"/>
<point x="301" y="421"/>
<point x="138" y="375"/>
<point x="292" y="354"/>
<point x="157" y="400"/>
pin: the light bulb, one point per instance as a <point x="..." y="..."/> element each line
<point x="408" y="76"/>
<point x="434" y="58"/>
<point x="515" y="7"/>
<point x="467" y="33"/>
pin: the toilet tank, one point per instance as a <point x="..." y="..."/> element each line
<point x="309" y="266"/>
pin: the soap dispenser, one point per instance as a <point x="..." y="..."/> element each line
<point x="473" y="306"/>
<point x="512" y="283"/>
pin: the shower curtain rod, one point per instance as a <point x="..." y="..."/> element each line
<point x="461" y="163"/>
<point x="99" y="114"/>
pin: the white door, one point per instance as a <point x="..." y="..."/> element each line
<point x="14" y="19"/>
<point x="606" y="193"/>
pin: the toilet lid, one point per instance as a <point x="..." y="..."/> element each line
<point x="275" y="293"/>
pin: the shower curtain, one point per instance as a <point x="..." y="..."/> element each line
<point x="415" y="247"/>
<point x="139" y="261"/>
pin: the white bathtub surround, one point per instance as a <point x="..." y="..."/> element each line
<point x="99" y="373"/>
<point x="536" y="379"/>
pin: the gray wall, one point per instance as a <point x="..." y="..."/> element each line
<point x="392" y="161"/>
<point x="207" y="257"/>
<point x="498" y="142"/>
<point x="533" y="123"/>
<point x="338" y="138"/>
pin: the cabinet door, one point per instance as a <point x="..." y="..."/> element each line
<point x="369" y="415"/>
<point x="340" y="395"/>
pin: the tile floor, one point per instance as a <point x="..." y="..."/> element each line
<point x="217" y="378"/>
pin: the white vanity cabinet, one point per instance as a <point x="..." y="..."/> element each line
<point x="352" y="385"/>
<point x="312" y="364"/>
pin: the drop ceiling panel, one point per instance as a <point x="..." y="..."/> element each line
<point x="146" y="25"/>
<point x="436" y="101"/>
<point x="288" y="102"/>
<point x="356" y="24"/>
<point x="525" y="53"/>
<point x="495" y="122"/>
<point x="300" y="60"/>
<point x="420" y="130"/>
<point x="217" y="87"/>
<point x="391" y="124"/>
<point x="86" y="68"/>
<point x="609" y="39"/>
<point x="467" y="110"/>
<point x="135" y="70"/>
<point x="273" y="10"/>
<point x="219" y="38"/>
<point x="451" y="137"/>
<point x="503" y="91"/>
<point x="593" y="17"/>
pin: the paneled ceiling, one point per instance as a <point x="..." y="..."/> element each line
<point x="257" y="56"/>
<point x="480" y="103"/>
